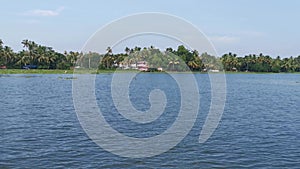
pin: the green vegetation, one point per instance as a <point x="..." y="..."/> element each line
<point x="260" y="63"/>
<point x="49" y="61"/>
<point x="55" y="71"/>
<point x="33" y="54"/>
<point x="35" y="71"/>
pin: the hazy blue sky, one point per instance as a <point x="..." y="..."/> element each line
<point x="241" y="26"/>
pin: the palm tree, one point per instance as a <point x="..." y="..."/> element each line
<point x="169" y="49"/>
<point x="8" y="54"/>
<point x="1" y="49"/>
<point x="1" y="44"/>
<point x="23" y="58"/>
<point x="108" y="61"/>
<point x="247" y="61"/>
<point x="89" y="56"/>
<point x="195" y="53"/>
<point x="31" y="47"/>
<point x="42" y="56"/>
<point x="137" y="48"/>
<point x="44" y="60"/>
<point x="71" y="58"/>
<point x="192" y="64"/>
<point x="173" y="60"/>
<point x="127" y="50"/>
<point x="25" y="43"/>
<point x="108" y="50"/>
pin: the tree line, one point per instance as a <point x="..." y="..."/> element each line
<point x="260" y="63"/>
<point x="180" y="59"/>
<point x="34" y="54"/>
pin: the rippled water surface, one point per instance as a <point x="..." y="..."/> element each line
<point x="260" y="127"/>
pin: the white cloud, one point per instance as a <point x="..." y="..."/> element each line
<point x="224" y="39"/>
<point x="41" y="12"/>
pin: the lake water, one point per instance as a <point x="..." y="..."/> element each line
<point x="260" y="127"/>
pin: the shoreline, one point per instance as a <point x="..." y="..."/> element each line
<point x="56" y="71"/>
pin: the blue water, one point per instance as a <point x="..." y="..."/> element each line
<point x="259" y="128"/>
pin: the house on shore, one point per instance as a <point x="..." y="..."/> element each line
<point x="142" y="66"/>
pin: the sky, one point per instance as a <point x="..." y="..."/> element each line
<point x="243" y="27"/>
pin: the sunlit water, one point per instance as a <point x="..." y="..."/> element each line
<point x="260" y="127"/>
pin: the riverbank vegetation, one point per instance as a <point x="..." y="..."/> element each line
<point x="40" y="57"/>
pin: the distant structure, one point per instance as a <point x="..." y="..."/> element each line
<point x="142" y="66"/>
<point x="214" y="71"/>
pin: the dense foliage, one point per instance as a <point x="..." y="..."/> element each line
<point x="260" y="63"/>
<point x="181" y="59"/>
<point x="34" y="54"/>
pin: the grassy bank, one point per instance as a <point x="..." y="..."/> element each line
<point x="56" y="71"/>
<point x="34" y="71"/>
